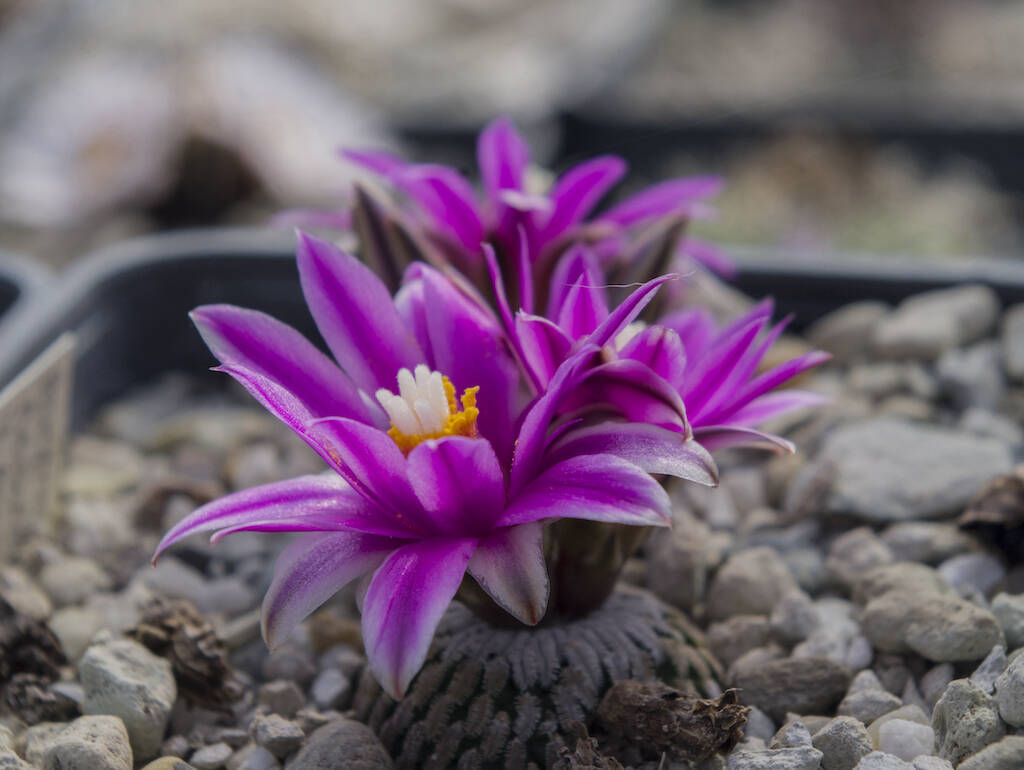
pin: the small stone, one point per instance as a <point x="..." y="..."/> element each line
<point x="926" y="325"/>
<point x="342" y="743"/>
<point x="906" y="739"/>
<point x="89" y="743"/>
<point x="859" y="654"/>
<point x="730" y="639"/>
<point x="38" y="738"/>
<point x="282" y="697"/>
<point x="342" y="657"/>
<point x="803" y="758"/>
<point x="174" y="579"/>
<point x="290" y="662"/>
<point x="211" y="757"/>
<point x="1005" y="754"/>
<point x="989" y="669"/>
<point x="235" y="737"/>
<point x="965" y="720"/>
<point x="802" y="685"/>
<point x="842" y="742"/>
<point x="978" y="570"/>
<point x="750" y="582"/>
<point x="888" y="470"/>
<point x="972" y="377"/>
<point x="11" y="761"/>
<point x="791" y="735"/>
<point x="175" y="746"/>
<point x="72" y="579"/>
<point x="934" y="683"/>
<point x="987" y="422"/>
<point x="276" y="734"/>
<point x="905" y="577"/>
<point x="794" y="618"/>
<point x="927" y="542"/>
<point x="853" y="553"/>
<point x="911" y="713"/>
<point x="759" y="725"/>
<point x="1010" y="692"/>
<point x="842" y="332"/>
<point x="677" y="565"/>
<point x="879" y="760"/>
<point x="1009" y="611"/>
<point x="1012" y="341"/>
<point x="332" y="689"/>
<point x="252" y="757"/>
<point x="169" y="763"/>
<point x="125" y="679"/>
<point x="23" y="594"/>
<point x="868" y="705"/>
<point x="75" y="627"/>
<point x="933" y="763"/>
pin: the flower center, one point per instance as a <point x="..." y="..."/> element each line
<point x="425" y="408"/>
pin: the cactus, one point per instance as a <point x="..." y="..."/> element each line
<point x="500" y="697"/>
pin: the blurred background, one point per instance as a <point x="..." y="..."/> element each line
<point x="843" y="126"/>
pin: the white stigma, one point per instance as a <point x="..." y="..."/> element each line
<point x="421" y="406"/>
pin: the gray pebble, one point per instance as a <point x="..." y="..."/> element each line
<point x="842" y="742"/>
<point x="290" y="662"/>
<point x="1010" y="693"/>
<point x="281" y="696"/>
<point x="879" y="760"/>
<point x="906" y="739"/>
<point x="932" y="763"/>
<point x="89" y="743"/>
<point x="730" y="639"/>
<point x="978" y="570"/>
<point x="842" y="332"/>
<point x="1009" y="611"/>
<point x="986" y="422"/>
<point x="75" y="627"/>
<point x="935" y="681"/>
<point x="1005" y="754"/>
<point x="804" y="758"/>
<point x="343" y="658"/>
<point x="211" y="757"/>
<point x="965" y="720"/>
<point x="253" y="757"/>
<point x="332" y="689"/>
<point x="867" y="705"/>
<point x="910" y="713"/>
<point x="125" y="679"/>
<point x="276" y="734"/>
<point x="927" y="542"/>
<point x="791" y="735"/>
<point x="853" y="553"/>
<point x="859" y="654"/>
<point x="750" y="582"/>
<point x="677" y="565"/>
<point x="342" y="743"/>
<point x="888" y="470"/>
<point x="794" y="618"/>
<point x="72" y="579"/>
<point x="801" y="685"/>
<point x="759" y="725"/>
<point x="23" y="594"/>
<point x="1012" y="341"/>
<point x="905" y="577"/>
<point x="972" y="377"/>
<point x="989" y="669"/>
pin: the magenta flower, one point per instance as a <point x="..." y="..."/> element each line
<point x="530" y="226"/>
<point x="712" y="371"/>
<point x="441" y="467"/>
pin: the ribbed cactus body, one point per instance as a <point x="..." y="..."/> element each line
<point x="498" y="697"/>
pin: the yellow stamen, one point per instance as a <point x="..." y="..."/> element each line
<point x="457" y="423"/>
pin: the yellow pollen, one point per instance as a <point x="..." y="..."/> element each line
<point x="457" y="423"/>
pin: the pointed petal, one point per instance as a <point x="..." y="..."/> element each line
<point x="627" y="312"/>
<point x="634" y="391"/>
<point x="707" y="375"/>
<point x="710" y="256"/>
<point x="585" y="305"/>
<point x="544" y="346"/>
<point x="354" y="313"/>
<point x="525" y="274"/>
<point x="723" y="436"/>
<point x="509" y="565"/>
<point x="459" y="482"/>
<point x="579" y="190"/>
<point x="311" y="570"/>
<point x="385" y="164"/>
<point x="317" y="502"/>
<point x="595" y="487"/>
<point x="670" y="197"/>
<point x="410" y="305"/>
<point x="696" y="330"/>
<point x="406" y="598"/>
<point x="471" y="350"/>
<point x="780" y="374"/>
<point x="447" y="198"/>
<point x="662" y="350"/>
<point x="652" y="449"/>
<point x="774" y="404"/>
<point x="502" y="155"/>
<point x="264" y="345"/>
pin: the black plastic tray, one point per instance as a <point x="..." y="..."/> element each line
<point x="23" y="284"/>
<point x="128" y="305"/>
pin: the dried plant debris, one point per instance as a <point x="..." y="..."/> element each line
<point x="586" y="755"/>
<point x="175" y="630"/>
<point x="661" y="720"/>
<point x="30" y="697"/>
<point x="490" y="697"/>
<point x="996" y="514"/>
<point x="27" y="646"/>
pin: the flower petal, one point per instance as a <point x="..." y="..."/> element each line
<point x="544" y="346"/>
<point x="307" y="502"/>
<point x="354" y="313"/>
<point x="311" y="570"/>
<point x="386" y="164"/>
<point x="724" y="436"/>
<point x="662" y="350"/>
<point x="652" y="449"/>
<point x="710" y="256"/>
<point x="264" y="345"/>
<point x="633" y="390"/>
<point x="502" y="155"/>
<point x="579" y="190"/>
<point x="471" y="350"/>
<point x="774" y="404"/>
<point x="447" y="198"/>
<point x="595" y="487"/>
<point x="627" y="311"/>
<point x="669" y="197"/>
<point x="406" y="598"/>
<point x="509" y="565"/>
<point x="459" y="482"/>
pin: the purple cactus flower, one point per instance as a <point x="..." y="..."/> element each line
<point x="442" y="465"/>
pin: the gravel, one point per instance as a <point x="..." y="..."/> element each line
<point x="965" y="720"/>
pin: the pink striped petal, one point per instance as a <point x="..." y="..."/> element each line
<point x="662" y="350"/>
<point x="502" y="156"/>
<point x="385" y="164"/>
<point x="724" y="436"/>
<point x="448" y="199"/>
<point x="354" y="313"/>
<point x="406" y="598"/>
<point x="544" y="346"/>
<point x="627" y="311"/>
<point x="578" y="191"/>
<point x="264" y="345"/>
<point x="595" y="487"/>
<point x="311" y="570"/>
<point x="774" y="404"/>
<point x="632" y="390"/>
<point x="509" y="565"/>
<point x="710" y="256"/>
